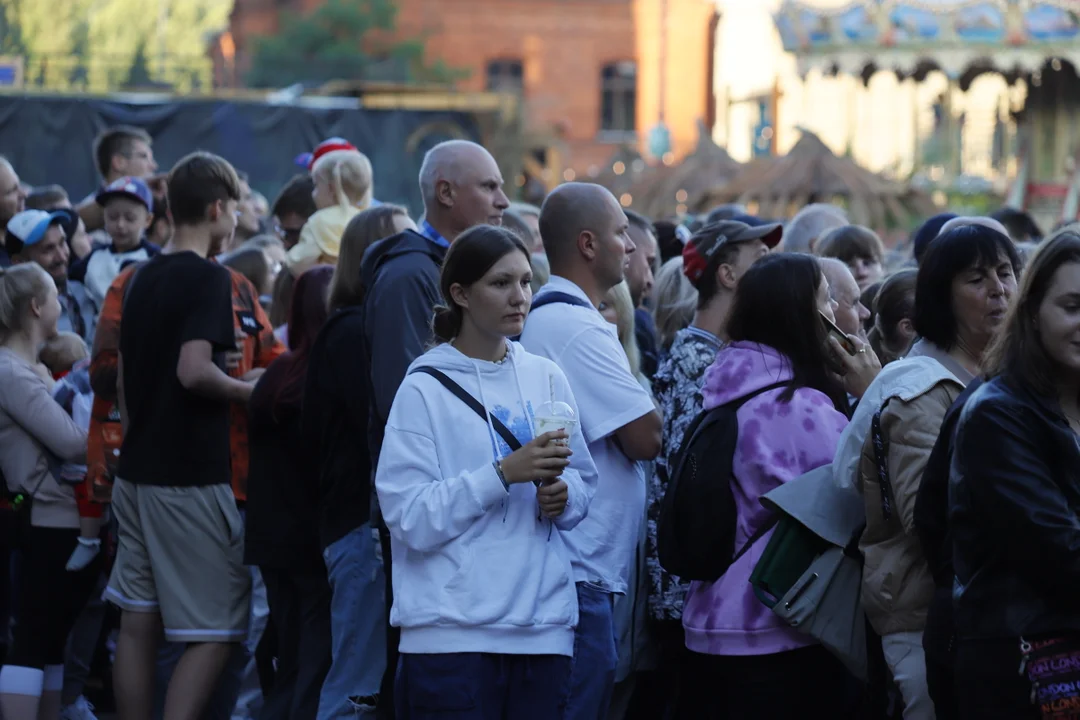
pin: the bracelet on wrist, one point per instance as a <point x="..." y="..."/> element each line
<point x="499" y="471"/>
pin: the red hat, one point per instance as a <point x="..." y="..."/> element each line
<point x="701" y="249"/>
<point x="326" y="146"/>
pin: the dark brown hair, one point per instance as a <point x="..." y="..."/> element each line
<point x="117" y="141"/>
<point x="707" y="286"/>
<point x="776" y="305"/>
<point x="895" y="301"/>
<point x="1017" y="349"/>
<point x="850" y="242"/>
<point x="197" y="181"/>
<point x="471" y="255"/>
<point x="365" y="228"/>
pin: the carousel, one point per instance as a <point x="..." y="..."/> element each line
<point x="1033" y="44"/>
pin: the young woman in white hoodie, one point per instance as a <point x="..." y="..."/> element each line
<point x="483" y="590"/>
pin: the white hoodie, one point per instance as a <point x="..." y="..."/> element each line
<point x="475" y="569"/>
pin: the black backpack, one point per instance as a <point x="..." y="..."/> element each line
<point x="696" y="530"/>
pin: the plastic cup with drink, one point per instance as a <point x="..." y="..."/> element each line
<point x="554" y="416"/>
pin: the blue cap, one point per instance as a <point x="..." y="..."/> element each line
<point x="132" y="187"/>
<point x="927" y="232"/>
<point x="29" y="226"/>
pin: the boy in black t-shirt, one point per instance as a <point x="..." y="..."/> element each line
<point x="179" y="564"/>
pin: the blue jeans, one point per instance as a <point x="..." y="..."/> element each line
<point x="480" y="686"/>
<point x="358" y="627"/>
<point x="592" y="677"/>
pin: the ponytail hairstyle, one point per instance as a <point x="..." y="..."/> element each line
<point x="19" y="286"/>
<point x="469" y="258"/>
<point x="350" y="177"/>
<point x="895" y="302"/>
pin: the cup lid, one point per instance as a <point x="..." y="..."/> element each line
<point x="557" y="409"/>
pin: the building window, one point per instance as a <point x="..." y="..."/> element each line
<point x="618" y="97"/>
<point x="505" y="76"/>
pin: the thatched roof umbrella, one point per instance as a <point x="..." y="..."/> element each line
<point x="811" y="172"/>
<point x="667" y="188"/>
<point x="623" y="171"/>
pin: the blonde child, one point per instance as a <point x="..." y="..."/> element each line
<point x="68" y="359"/>
<point x="343" y="187"/>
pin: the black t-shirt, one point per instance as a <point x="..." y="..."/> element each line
<point x="174" y="437"/>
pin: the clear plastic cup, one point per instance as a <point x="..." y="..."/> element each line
<point x="555" y="416"/>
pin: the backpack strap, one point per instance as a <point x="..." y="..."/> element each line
<point x="474" y="404"/>
<point x="735" y="405"/>
<point x="881" y="459"/>
<point x="550" y="298"/>
<point x="739" y="402"/>
<point x="760" y="533"/>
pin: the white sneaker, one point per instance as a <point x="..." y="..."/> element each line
<point x="81" y="709"/>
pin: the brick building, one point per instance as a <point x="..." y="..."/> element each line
<point x="591" y="71"/>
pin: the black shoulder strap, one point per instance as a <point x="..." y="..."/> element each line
<point x="764" y="529"/>
<point x="463" y="395"/>
<point x="881" y="459"/>
<point x="550" y="298"/>
<point x="760" y="533"/>
<point x="739" y="402"/>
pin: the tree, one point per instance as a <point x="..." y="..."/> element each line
<point x="342" y="40"/>
<point x="11" y="38"/>
<point x="92" y="44"/>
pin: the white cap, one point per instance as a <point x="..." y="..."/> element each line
<point x="29" y="226"/>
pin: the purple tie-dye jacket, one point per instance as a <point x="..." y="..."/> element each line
<point x="777" y="442"/>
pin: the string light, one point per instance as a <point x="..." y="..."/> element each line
<point x="520" y="181"/>
<point x="681" y="196"/>
<point x="618" y="168"/>
<point x="569" y="175"/>
<point x="680" y="209"/>
<point x="626" y="200"/>
<point x="669" y="158"/>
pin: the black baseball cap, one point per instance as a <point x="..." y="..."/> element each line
<point x="700" y="249"/>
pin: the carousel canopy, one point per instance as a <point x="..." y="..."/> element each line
<point x="813" y="173"/>
<point x="913" y="37"/>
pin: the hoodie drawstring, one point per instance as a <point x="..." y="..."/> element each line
<point x="491" y="432"/>
<point x="532" y="423"/>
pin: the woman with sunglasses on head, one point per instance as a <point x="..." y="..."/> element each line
<point x="476" y="502"/>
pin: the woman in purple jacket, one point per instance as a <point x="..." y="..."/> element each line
<point x="745" y="661"/>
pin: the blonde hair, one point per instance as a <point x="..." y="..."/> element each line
<point x="619" y="298"/>
<point x="365" y="228"/>
<point x="675" y="300"/>
<point x="62" y="352"/>
<point x="350" y="176"/>
<point x="541" y="271"/>
<point x="19" y="285"/>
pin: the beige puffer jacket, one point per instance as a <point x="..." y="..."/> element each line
<point x="897" y="585"/>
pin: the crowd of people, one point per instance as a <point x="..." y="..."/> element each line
<point x="318" y="459"/>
